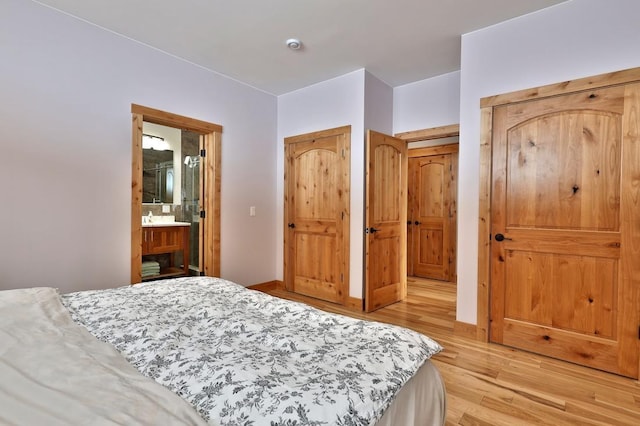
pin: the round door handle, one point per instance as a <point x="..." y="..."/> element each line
<point x="417" y="223"/>
<point x="291" y="225"/>
<point x="373" y="230"/>
<point x="500" y="237"/>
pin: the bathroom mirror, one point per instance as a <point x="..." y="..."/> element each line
<point x="158" y="176"/>
<point x="161" y="164"/>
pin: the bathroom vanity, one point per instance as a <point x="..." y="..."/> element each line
<point x="167" y="238"/>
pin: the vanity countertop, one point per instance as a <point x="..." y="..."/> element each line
<point x="158" y="224"/>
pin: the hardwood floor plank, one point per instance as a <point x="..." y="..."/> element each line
<point x="489" y="384"/>
<point x="507" y="408"/>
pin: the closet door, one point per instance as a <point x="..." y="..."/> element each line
<point x="385" y="220"/>
<point x="430" y="217"/>
<point x="565" y="218"/>
<point x="317" y="214"/>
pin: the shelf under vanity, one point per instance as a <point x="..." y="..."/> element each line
<point x="166" y="238"/>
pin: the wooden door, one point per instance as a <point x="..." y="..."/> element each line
<point x="565" y="224"/>
<point x="386" y="217"/>
<point x="431" y="224"/>
<point x="317" y="214"/>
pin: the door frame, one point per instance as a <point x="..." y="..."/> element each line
<point x="211" y="138"/>
<point x="433" y="133"/>
<point x="486" y="129"/>
<point x="440" y="132"/>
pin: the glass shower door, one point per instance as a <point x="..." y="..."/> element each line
<point x="191" y="208"/>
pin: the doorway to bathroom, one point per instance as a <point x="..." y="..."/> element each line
<point x="182" y="189"/>
<point x="171" y="190"/>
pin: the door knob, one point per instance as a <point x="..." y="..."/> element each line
<point x="372" y="230"/>
<point x="291" y="225"/>
<point x="417" y="223"/>
<point x="500" y="237"/>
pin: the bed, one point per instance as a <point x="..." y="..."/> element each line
<point x="203" y="350"/>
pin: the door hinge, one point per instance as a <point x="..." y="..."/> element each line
<point x="639" y="332"/>
<point x="343" y="153"/>
<point x="203" y="153"/>
<point x="341" y="277"/>
<point x="342" y="215"/>
<point x="203" y="214"/>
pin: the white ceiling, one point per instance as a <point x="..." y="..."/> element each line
<point x="399" y="41"/>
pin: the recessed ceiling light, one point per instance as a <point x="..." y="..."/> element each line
<point x="294" y="44"/>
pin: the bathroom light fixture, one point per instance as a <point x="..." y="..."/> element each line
<point x="294" y="44"/>
<point x="154" y="142"/>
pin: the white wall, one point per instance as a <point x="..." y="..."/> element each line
<point x="427" y="103"/>
<point x="65" y="129"/>
<point x="378" y="105"/>
<point x="568" y="41"/>
<point x="332" y="103"/>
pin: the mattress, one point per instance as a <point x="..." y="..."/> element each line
<point x="231" y="355"/>
<point x="54" y="372"/>
<point x="421" y="401"/>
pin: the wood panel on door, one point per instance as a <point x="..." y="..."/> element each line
<point x="317" y="214"/>
<point x="386" y="216"/>
<point x="431" y="226"/>
<point x="565" y="212"/>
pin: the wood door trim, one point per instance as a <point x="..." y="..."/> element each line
<point x="486" y="129"/>
<point x="429" y="134"/>
<point x="629" y="215"/>
<point x="211" y="200"/>
<point x="212" y="182"/>
<point x="451" y="148"/>
<point x="602" y="80"/>
<point x="337" y="131"/>
<point x="434" y="133"/>
<point x="484" y="225"/>
<point x="136" y="198"/>
<point x="156" y="116"/>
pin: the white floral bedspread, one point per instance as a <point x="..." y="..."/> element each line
<point x="241" y="357"/>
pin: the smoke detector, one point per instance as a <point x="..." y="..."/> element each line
<point x="294" y="44"/>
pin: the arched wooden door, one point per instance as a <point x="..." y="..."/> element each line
<point x="431" y="250"/>
<point x="386" y="218"/>
<point x="565" y="227"/>
<point x="316" y="240"/>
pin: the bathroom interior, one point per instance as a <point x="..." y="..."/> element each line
<point x="171" y="188"/>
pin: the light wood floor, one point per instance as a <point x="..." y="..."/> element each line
<point x="489" y="384"/>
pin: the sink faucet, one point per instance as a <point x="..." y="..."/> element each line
<point x="149" y="217"/>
